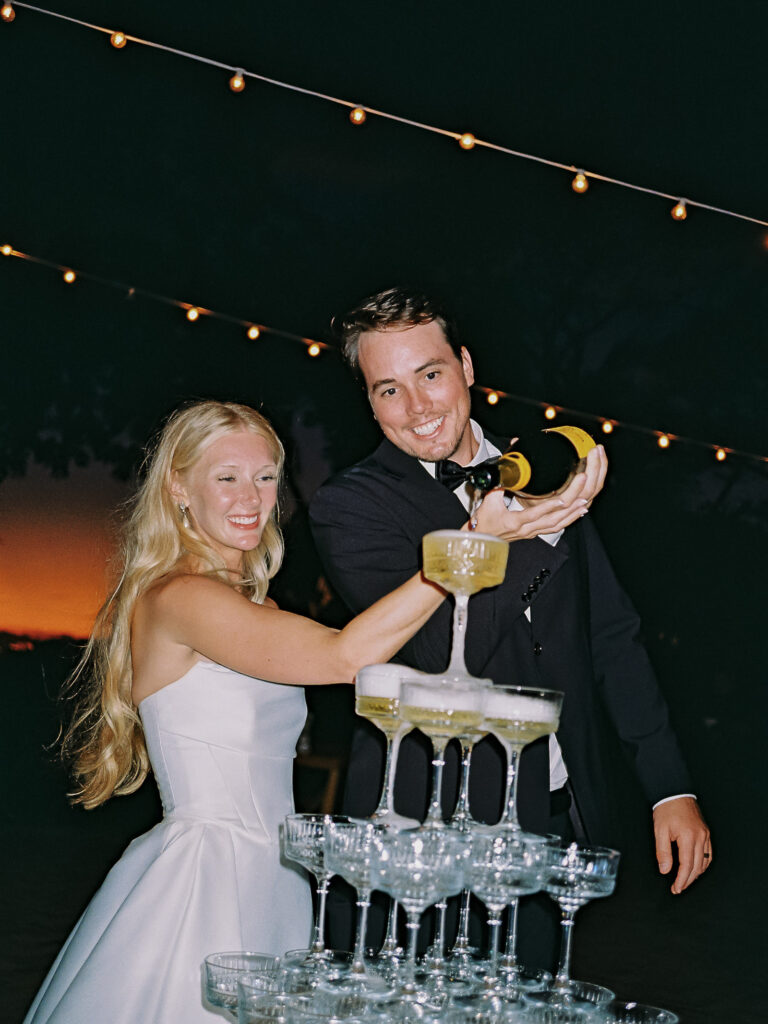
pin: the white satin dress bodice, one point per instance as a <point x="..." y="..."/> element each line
<point x="209" y="877"/>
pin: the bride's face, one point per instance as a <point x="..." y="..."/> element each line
<point x="230" y="493"/>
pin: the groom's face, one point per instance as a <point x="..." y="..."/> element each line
<point x="419" y="391"/>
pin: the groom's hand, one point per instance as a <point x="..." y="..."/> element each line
<point x="544" y="515"/>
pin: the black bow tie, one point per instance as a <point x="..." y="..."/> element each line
<point x="452" y="475"/>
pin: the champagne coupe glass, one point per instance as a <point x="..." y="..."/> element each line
<point x="503" y="864"/>
<point x="417" y="867"/>
<point x="224" y="970"/>
<point x="349" y="852"/>
<point x="377" y="698"/>
<point x="442" y="709"/>
<point x="303" y="838"/>
<point x="518" y="715"/>
<point x="463" y="562"/>
<point x="575" y="875"/>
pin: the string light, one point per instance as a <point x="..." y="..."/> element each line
<point x="314" y="349"/>
<point x="7" y="13"/>
<point x="466" y="141"/>
<point x="580" y="183"/>
<point x="118" y="40"/>
<point x="678" y="211"/>
<point x="237" y="82"/>
<point x="357" y="115"/>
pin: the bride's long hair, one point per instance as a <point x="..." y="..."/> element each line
<point x="104" y="741"/>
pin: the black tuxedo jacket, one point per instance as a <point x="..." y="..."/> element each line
<point x="583" y="639"/>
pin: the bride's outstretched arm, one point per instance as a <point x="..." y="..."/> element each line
<point x="208" y="617"/>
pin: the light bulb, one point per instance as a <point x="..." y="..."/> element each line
<point x="314" y="349"/>
<point x="193" y="313"/>
<point x="720" y="454"/>
<point x="253" y="332"/>
<point x="357" y="115"/>
<point x="580" y="182"/>
<point x="492" y="397"/>
<point x="550" y="412"/>
<point x="467" y="141"/>
<point x="6" y="250"/>
<point x="237" y="82"/>
<point x="7" y="13"/>
<point x="607" y="427"/>
<point x="679" y="211"/>
<point x="118" y="40"/>
<point x="663" y="441"/>
<point x="69" y="276"/>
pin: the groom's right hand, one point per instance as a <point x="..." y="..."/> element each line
<point x="544" y="515"/>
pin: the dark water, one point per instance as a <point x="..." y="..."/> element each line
<point x="697" y="953"/>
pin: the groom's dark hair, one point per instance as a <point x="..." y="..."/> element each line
<point x="395" y="309"/>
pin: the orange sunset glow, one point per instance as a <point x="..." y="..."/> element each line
<point x="56" y="539"/>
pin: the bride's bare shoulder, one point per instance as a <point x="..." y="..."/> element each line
<point x="181" y="588"/>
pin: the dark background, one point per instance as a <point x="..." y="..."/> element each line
<point x="144" y="168"/>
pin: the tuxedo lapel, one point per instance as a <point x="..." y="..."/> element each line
<point x="409" y="478"/>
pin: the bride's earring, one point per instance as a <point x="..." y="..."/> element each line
<point x="184" y="517"/>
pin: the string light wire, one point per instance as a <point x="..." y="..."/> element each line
<point x="131" y="290"/>
<point x="253" y="331"/>
<point x="353" y="105"/>
<point x="616" y="425"/>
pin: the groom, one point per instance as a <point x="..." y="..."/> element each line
<point x="559" y="621"/>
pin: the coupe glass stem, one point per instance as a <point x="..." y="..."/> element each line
<point x="509" y="960"/>
<point x="563" y="976"/>
<point x="409" y="982"/>
<point x="494" y="924"/>
<point x="318" y="943"/>
<point x="386" y="803"/>
<point x="438" y="945"/>
<point x="434" y="818"/>
<point x="390" y="942"/>
<point x="461" y="945"/>
<point x="510" y="813"/>
<point x="363" y="903"/>
<point x="457" y="666"/>
<point x="461" y="818"/>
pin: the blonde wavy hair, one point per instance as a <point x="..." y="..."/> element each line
<point x="104" y="741"/>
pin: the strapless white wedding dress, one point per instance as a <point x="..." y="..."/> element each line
<point x="209" y="877"/>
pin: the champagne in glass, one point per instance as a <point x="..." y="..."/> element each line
<point x="377" y="698"/>
<point x="518" y="715"/>
<point x="463" y="562"/>
<point x="442" y="709"/>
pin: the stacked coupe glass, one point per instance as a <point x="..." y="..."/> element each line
<point x="423" y="865"/>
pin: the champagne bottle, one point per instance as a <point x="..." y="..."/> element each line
<point x="538" y="465"/>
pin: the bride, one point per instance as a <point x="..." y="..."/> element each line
<point x="192" y="672"/>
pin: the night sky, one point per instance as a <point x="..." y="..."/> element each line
<point x="144" y="168"/>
